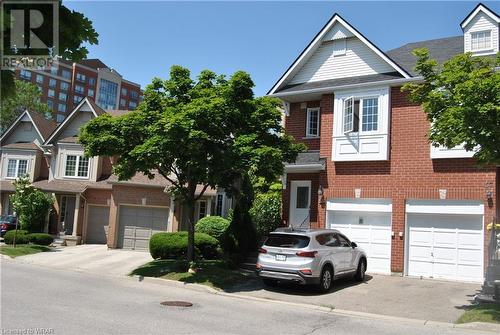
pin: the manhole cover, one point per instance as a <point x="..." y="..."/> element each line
<point x="176" y="303"/>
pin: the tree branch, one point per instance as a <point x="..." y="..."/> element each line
<point x="202" y="192"/>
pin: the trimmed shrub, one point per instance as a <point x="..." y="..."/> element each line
<point x="21" y="237"/>
<point x="174" y="245"/>
<point x="214" y="226"/>
<point x="40" y="238"/>
<point x="266" y="212"/>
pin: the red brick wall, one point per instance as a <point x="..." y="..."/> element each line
<point x="409" y="174"/>
<point x="295" y="124"/>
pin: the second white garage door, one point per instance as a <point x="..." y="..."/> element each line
<point x="369" y="225"/>
<point x="138" y="224"/>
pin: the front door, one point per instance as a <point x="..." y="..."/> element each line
<point x="300" y="203"/>
<point x="67" y="214"/>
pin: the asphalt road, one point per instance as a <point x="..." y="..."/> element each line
<point x="39" y="300"/>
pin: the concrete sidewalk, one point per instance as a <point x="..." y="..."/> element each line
<point x="95" y="258"/>
<point x="387" y="295"/>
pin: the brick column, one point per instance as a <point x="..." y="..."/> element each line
<point x="398" y="225"/>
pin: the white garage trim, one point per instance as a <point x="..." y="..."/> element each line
<point x="445" y="207"/>
<point x="360" y="205"/>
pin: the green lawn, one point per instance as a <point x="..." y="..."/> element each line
<point x="22" y="249"/>
<point x="214" y="273"/>
<point x="481" y="313"/>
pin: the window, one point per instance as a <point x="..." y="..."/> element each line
<point x="60" y="118"/>
<point x="91" y="81"/>
<point x="339" y="47"/>
<point x="66" y="74"/>
<point x="219" y="207"/>
<point x="50" y="103"/>
<point x="369" y="114"/>
<point x="61" y="108"/>
<point x="344" y="242"/>
<point x="63" y="96"/>
<point x="53" y="70"/>
<point x="17" y="168"/>
<point x="25" y="74"/>
<point x="79" y="89"/>
<point x="202" y="211"/>
<point x="134" y="94"/>
<point x="328" y="240"/>
<point x="76" y="166"/>
<point x="123" y="102"/>
<point x="302" y="197"/>
<point x="312" y="126"/>
<point x="132" y="105"/>
<point x="39" y="79"/>
<point x="124" y="91"/>
<point x="480" y="40"/>
<point x="77" y="99"/>
<point x="52" y="82"/>
<point x="64" y="86"/>
<point x="287" y="241"/>
<point x="51" y="93"/>
<point x="107" y="94"/>
<point x="90" y="92"/>
<point x="80" y="77"/>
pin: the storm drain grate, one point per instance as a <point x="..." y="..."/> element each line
<point x="176" y="303"/>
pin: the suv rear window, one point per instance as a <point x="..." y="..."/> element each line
<point x="287" y="241"/>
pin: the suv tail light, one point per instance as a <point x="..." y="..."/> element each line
<point x="262" y="251"/>
<point x="4" y="226"/>
<point x="307" y="272"/>
<point x="310" y="254"/>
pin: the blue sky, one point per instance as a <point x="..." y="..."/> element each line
<point x="141" y="40"/>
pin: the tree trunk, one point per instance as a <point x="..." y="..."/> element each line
<point x="190" y="202"/>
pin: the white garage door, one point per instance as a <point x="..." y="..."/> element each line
<point x="446" y="246"/>
<point x="138" y="224"/>
<point x="371" y="230"/>
<point x="97" y="224"/>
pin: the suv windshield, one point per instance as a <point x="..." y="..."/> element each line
<point x="287" y="241"/>
<point x="8" y="218"/>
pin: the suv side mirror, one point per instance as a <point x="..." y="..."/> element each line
<point x="354" y="245"/>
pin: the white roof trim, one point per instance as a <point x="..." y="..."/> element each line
<point x="315" y="43"/>
<point x="14" y="124"/>
<point x="69" y="117"/>
<point x="480" y="8"/>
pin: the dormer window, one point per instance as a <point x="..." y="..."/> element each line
<point x="76" y="166"/>
<point x="480" y="40"/>
<point x="17" y="168"/>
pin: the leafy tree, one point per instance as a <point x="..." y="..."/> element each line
<point x="27" y="96"/>
<point x="266" y="209"/>
<point x="210" y="131"/>
<point x="31" y="205"/>
<point x="462" y="102"/>
<point x="75" y="30"/>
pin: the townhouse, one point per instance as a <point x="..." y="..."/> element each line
<point x="90" y="204"/>
<point x="370" y="170"/>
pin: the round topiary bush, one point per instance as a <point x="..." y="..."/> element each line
<point x="215" y="226"/>
<point x="40" y="238"/>
<point x="174" y="245"/>
<point x="21" y="237"/>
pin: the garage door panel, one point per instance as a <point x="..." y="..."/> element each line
<point x="138" y="223"/>
<point x="420" y="253"/>
<point x="97" y="224"/>
<point x="468" y="256"/>
<point x="471" y="240"/>
<point x="420" y="237"/>
<point x="142" y="233"/>
<point x="129" y="232"/>
<point x="446" y="255"/>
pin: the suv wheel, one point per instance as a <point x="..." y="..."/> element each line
<point x="326" y="279"/>
<point x="360" y="274"/>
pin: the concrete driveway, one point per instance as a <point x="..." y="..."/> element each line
<point x="96" y="258"/>
<point x="388" y="295"/>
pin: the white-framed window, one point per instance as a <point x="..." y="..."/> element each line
<point x="480" y="40"/>
<point x="52" y="82"/>
<point x="360" y="114"/>
<point x="25" y="74"/>
<point x="39" y="79"/>
<point x="63" y="96"/>
<point x="80" y="77"/>
<point x="66" y="74"/>
<point x="61" y="108"/>
<point x="312" y="125"/>
<point x="202" y="209"/>
<point x="90" y="92"/>
<point x="64" y="86"/>
<point x="76" y="166"/>
<point x="219" y="206"/>
<point x="17" y="168"/>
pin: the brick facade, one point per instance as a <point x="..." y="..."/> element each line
<point x="409" y="173"/>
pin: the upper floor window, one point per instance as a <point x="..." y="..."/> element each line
<point x="132" y="104"/>
<point x="91" y="81"/>
<point x="64" y="86"/>
<point x="134" y="94"/>
<point x="124" y="91"/>
<point x="80" y="77"/>
<point x="17" y="168"/>
<point x="76" y="166"/>
<point x="480" y="40"/>
<point x="367" y="121"/>
<point x="66" y="74"/>
<point x="53" y="70"/>
<point x="90" y="92"/>
<point x="63" y="96"/>
<point x="51" y="93"/>
<point x="107" y="94"/>
<point x="25" y="74"/>
<point x="123" y="103"/>
<point x="39" y="79"/>
<point x="79" y="89"/>
<point x="77" y="99"/>
<point x="60" y="118"/>
<point x="52" y="82"/>
<point x="61" y="108"/>
<point x="50" y="103"/>
<point x="312" y="126"/>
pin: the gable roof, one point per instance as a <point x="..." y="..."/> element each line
<point x="316" y="41"/>
<point x="480" y="8"/>
<point x="96" y="110"/>
<point x="43" y="126"/>
<point x="441" y="50"/>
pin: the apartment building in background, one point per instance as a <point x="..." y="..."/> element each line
<point x="66" y="83"/>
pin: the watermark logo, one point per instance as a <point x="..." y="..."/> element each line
<point x="29" y="33"/>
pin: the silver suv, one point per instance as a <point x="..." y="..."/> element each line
<point x="309" y="256"/>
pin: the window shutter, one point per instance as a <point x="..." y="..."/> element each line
<point x="348" y="115"/>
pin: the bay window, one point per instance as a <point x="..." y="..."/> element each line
<point x="76" y="166"/>
<point x="17" y="168"/>
<point x="367" y="121"/>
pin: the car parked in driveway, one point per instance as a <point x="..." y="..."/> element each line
<point x="309" y="256"/>
<point x="7" y="222"/>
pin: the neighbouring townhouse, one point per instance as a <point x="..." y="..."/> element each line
<point x="370" y="170"/>
<point x="90" y="204"/>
